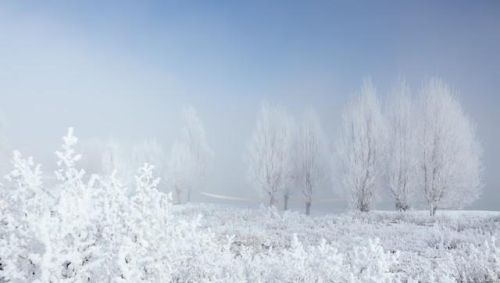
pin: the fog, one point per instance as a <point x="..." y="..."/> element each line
<point x="125" y="70"/>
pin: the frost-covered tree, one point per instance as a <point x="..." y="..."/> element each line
<point x="180" y="170"/>
<point x="360" y="148"/>
<point x="269" y="153"/>
<point x="194" y="137"/>
<point x="400" y="149"/>
<point x="310" y="157"/>
<point x="449" y="154"/>
<point x="76" y="213"/>
<point x="292" y="175"/>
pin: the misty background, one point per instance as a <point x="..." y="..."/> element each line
<point x="125" y="69"/>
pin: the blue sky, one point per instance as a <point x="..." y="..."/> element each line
<point x="125" y="68"/>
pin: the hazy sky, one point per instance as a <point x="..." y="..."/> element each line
<point x="124" y="69"/>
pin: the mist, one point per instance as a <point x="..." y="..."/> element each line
<point x="124" y="72"/>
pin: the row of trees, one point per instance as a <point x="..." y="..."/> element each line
<point x="181" y="170"/>
<point x="283" y="156"/>
<point x="416" y="147"/>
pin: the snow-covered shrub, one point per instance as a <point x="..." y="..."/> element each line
<point x="23" y="204"/>
<point x="325" y="262"/>
<point x="74" y="234"/>
<point x="476" y="263"/>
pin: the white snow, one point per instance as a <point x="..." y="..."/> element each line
<point x="452" y="246"/>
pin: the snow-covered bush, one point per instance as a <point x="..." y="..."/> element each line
<point x="23" y="204"/>
<point x="325" y="262"/>
<point x="476" y="263"/>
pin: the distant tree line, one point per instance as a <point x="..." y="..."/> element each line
<point x="415" y="147"/>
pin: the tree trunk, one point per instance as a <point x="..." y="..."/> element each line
<point x="285" y="202"/>
<point x="401" y="206"/>
<point x="189" y="196"/>
<point x="271" y="201"/>
<point x="178" y="196"/>
<point x="364" y="207"/>
<point x="308" y="208"/>
<point x="432" y="210"/>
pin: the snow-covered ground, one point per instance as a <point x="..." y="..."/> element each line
<point x="454" y="246"/>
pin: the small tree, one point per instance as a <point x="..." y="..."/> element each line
<point x="269" y="152"/>
<point x="194" y="137"/>
<point x="311" y="156"/>
<point x="360" y="148"/>
<point x="400" y="147"/>
<point x="180" y="170"/>
<point x="449" y="154"/>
